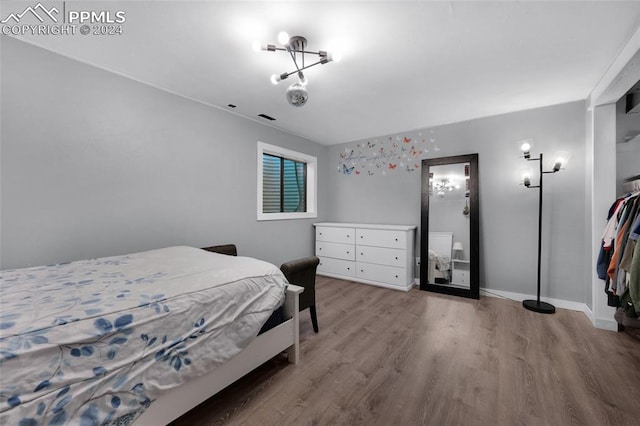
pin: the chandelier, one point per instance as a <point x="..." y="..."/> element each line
<point x="445" y="185"/>
<point x="297" y="94"/>
<point x="442" y="186"/>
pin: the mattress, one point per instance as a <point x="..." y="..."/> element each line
<point x="97" y="341"/>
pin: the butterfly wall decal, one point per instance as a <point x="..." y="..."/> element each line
<point x="347" y="170"/>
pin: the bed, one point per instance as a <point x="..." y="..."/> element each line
<point x="138" y="338"/>
<point x="440" y="257"/>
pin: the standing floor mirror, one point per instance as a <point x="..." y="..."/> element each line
<point x="449" y="234"/>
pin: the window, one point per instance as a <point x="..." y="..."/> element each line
<point x="286" y="184"/>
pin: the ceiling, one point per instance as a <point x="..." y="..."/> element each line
<point x="405" y="65"/>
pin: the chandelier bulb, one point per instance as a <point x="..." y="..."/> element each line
<point x="275" y="79"/>
<point x="283" y="38"/>
<point x="302" y="78"/>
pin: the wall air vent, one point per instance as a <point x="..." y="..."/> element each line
<point x="266" y="117"/>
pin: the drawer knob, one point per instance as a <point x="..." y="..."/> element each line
<point x="347" y="235"/>
<point x="361" y="270"/>
<point x="320" y="248"/>
<point x="361" y="254"/>
<point x="396" y="239"/>
<point x="348" y="268"/>
<point x="396" y="257"/>
<point x="361" y="236"/>
<point x="347" y="252"/>
<point x="396" y="276"/>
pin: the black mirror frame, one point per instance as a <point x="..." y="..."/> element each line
<point x="474" y="223"/>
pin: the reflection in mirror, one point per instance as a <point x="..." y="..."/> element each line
<point x="449" y="225"/>
<point x="449" y="231"/>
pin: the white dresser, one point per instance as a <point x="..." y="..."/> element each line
<point x="381" y="255"/>
<point x="460" y="272"/>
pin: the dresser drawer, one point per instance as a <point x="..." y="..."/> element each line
<point x="380" y="273"/>
<point x="336" y="235"/>
<point x="337" y="267"/>
<point x="460" y="276"/>
<point x="381" y="238"/>
<point x="382" y="255"/>
<point x="335" y="250"/>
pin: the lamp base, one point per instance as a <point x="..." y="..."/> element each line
<point x="541" y="307"/>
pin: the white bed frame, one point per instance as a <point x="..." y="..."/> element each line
<point x="441" y="243"/>
<point x="284" y="337"/>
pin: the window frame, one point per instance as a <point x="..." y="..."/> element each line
<point x="311" y="184"/>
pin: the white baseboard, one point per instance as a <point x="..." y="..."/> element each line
<point x="602" y="323"/>
<point x="605" y="324"/>
<point x="519" y="297"/>
<point x="589" y="313"/>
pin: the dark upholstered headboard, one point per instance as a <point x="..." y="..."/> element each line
<point x="229" y="249"/>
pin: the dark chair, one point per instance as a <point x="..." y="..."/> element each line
<point x="302" y="272"/>
<point x="229" y="249"/>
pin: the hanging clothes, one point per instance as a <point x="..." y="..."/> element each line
<point x="606" y="250"/>
<point x="617" y="274"/>
<point x="618" y="262"/>
<point x="631" y="298"/>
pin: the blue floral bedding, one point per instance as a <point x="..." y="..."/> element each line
<point x="97" y="341"/>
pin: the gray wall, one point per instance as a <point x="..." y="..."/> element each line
<point x="446" y="216"/>
<point x="94" y="164"/>
<point x="627" y="153"/>
<point x="508" y="211"/>
<point x="602" y="193"/>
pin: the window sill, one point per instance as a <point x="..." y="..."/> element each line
<point x="286" y="216"/>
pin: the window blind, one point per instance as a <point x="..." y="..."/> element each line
<point x="284" y="185"/>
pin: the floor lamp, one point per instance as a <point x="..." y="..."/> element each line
<point x="559" y="163"/>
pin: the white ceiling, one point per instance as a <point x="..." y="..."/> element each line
<point x="405" y="65"/>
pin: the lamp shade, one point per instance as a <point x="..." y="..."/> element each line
<point x="457" y="246"/>
<point x="525" y="147"/>
<point x="525" y="175"/>
<point x="559" y="160"/>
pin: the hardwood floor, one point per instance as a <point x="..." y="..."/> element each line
<point x="385" y="357"/>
